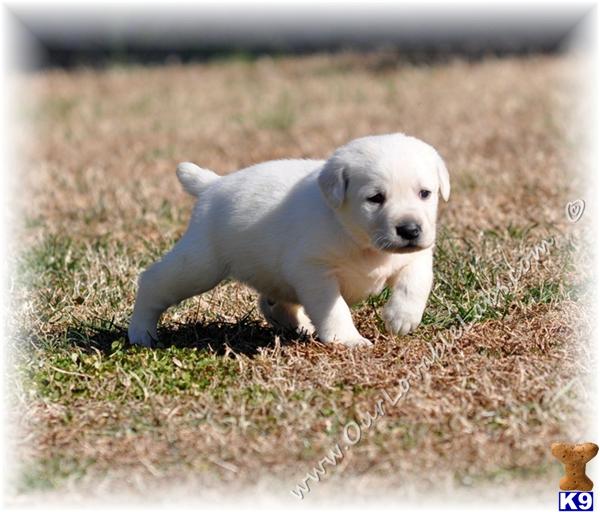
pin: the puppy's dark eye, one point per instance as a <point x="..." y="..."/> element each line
<point x="377" y="199"/>
<point x="424" y="194"/>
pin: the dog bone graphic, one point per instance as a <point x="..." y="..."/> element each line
<point x="574" y="457"/>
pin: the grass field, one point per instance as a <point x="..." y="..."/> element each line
<point x="227" y="399"/>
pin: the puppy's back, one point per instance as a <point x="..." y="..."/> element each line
<point x="254" y="215"/>
<point x="260" y="188"/>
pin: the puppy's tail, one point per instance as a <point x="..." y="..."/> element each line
<point x="194" y="179"/>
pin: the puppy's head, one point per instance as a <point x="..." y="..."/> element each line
<point x="384" y="190"/>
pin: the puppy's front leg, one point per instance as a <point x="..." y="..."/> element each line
<point x="411" y="287"/>
<point x="320" y="295"/>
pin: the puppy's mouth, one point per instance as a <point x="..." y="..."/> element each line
<point x="400" y="247"/>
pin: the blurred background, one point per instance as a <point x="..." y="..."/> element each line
<point x="99" y="35"/>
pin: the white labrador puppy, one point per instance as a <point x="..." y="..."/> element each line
<point x="311" y="236"/>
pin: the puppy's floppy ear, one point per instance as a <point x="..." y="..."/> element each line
<point x="333" y="181"/>
<point x="443" y="178"/>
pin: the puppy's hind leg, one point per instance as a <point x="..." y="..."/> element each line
<point x="285" y="315"/>
<point x="188" y="269"/>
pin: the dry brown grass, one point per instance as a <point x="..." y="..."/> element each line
<point x="102" y="202"/>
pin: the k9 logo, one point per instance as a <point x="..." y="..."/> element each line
<point x="575" y="501"/>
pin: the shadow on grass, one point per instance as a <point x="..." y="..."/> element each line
<point x="244" y="337"/>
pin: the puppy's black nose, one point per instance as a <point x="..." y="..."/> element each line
<point x="409" y="230"/>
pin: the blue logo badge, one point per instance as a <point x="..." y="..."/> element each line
<point x="573" y="500"/>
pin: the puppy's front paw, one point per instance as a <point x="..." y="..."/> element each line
<point x="355" y="342"/>
<point x="401" y="321"/>
<point x="305" y="326"/>
<point x="140" y="336"/>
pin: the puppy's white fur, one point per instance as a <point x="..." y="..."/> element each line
<point x="311" y="236"/>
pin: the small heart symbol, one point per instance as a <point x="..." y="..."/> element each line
<point x="575" y="209"/>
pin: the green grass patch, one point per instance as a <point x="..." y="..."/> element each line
<point x="126" y="373"/>
<point x="483" y="279"/>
